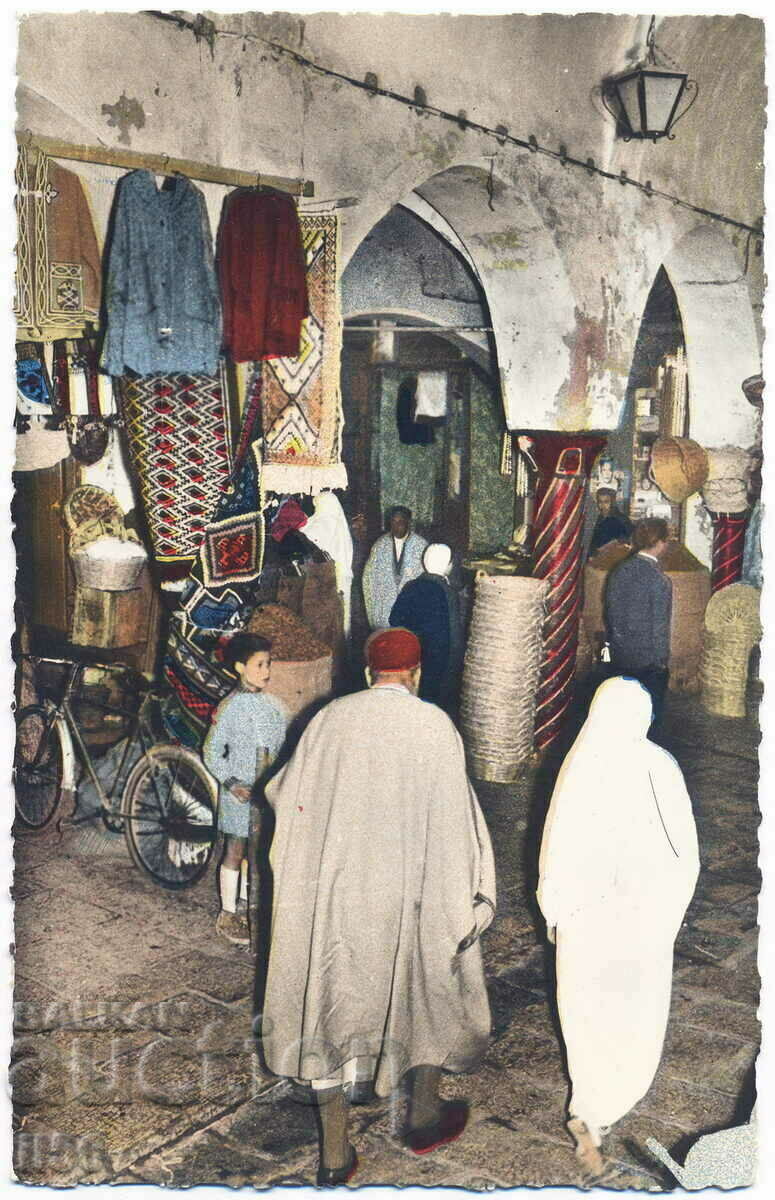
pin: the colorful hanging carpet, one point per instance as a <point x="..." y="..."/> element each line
<point x="301" y="403"/>
<point x="233" y="546"/>
<point x="197" y="679"/>
<point x="178" y="432"/>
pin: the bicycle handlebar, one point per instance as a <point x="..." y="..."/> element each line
<point x="119" y="668"/>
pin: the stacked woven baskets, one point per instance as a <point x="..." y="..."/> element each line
<point x="500" y="677"/>
<point x="732" y="629"/>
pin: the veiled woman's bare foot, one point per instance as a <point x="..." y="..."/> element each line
<point x="587" y="1150"/>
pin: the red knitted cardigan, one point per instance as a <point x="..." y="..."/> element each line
<point x="262" y="272"/>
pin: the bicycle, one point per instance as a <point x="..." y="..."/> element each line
<point x="167" y="807"/>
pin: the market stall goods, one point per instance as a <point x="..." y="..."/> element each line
<point x="302" y="665"/>
<point x="679" y="466"/>
<point x="732" y="629"/>
<point x="500" y="675"/>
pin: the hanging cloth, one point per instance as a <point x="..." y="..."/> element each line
<point x="430" y="398"/>
<point x="328" y="529"/>
<point x="262" y="271"/>
<point x="411" y="432"/>
<point x="161" y="293"/>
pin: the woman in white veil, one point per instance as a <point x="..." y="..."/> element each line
<point x="619" y="864"/>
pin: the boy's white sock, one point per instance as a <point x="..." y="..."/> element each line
<point x="229" y="881"/>
<point x="243" y="880"/>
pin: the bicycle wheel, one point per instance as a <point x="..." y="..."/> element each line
<point x="169" y="816"/>
<point x="38" y="769"/>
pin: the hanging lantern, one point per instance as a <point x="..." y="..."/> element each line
<point x="645" y="101"/>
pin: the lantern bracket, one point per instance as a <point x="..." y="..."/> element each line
<point x="695" y="87"/>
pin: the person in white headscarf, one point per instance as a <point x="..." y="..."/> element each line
<point x="328" y="529"/>
<point x="618" y="866"/>
<point x="430" y="607"/>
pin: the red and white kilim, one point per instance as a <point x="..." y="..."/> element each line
<point x="728" y="546"/>
<point x="177" y="429"/>
<point x="557" y="558"/>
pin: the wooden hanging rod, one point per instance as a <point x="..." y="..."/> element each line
<point x="162" y="164"/>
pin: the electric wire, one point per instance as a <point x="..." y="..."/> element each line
<point x="463" y="122"/>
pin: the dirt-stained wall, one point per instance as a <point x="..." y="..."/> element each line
<point x="566" y="258"/>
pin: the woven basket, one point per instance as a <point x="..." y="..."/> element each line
<point x="500" y="676"/>
<point x="89" y="512"/>
<point x="679" y="467"/>
<point x="732" y="629"/>
<point x="109" y="564"/>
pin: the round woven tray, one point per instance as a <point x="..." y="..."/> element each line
<point x="500" y="677"/>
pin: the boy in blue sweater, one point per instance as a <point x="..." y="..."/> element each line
<point x="247" y="731"/>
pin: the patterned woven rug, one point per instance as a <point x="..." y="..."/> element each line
<point x="198" y="681"/>
<point x="177" y="429"/>
<point x="233" y="546"/>
<point x="302" y="410"/>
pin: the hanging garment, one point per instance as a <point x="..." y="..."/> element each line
<point x="161" y="292"/>
<point x="80" y="389"/>
<point x="618" y="866"/>
<point x="262" y="271"/>
<point x="411" y="432"/>
<point x="179" y="443"/>
<point x="379" y="855"/>
<point x="290" y="516"/>
<point x="430" y="397"/>
<point x="58" y="267"/>
<point x="328" y="529"/>
<point x="752" y="552"/>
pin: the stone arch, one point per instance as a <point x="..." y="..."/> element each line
<point x="722" y="347"/>
<point x="491" y="221"/>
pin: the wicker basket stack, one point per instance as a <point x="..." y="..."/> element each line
<point x="732" y="629"/>
<point x="500" y="677"/>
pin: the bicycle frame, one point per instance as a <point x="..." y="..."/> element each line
<point x="74" y="746"/>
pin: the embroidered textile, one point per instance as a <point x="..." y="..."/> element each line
<point x="33" y="385"/>
<point x="161" y="292"/>
<point x="302" y="412"/>
<point x="177" y="429"/>
<point x="58" y="268"/>
<point x="233" y="546"/>
<point x="261" y="266"/>
<point x="79" y="387"/>
<point x="197" y="678"/>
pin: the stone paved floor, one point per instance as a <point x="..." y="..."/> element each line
<point x="133" y="1055"/>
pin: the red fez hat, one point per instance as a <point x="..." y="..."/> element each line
<point x="393" y="650"/>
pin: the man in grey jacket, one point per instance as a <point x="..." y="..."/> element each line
<point x="638" y="607"/>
